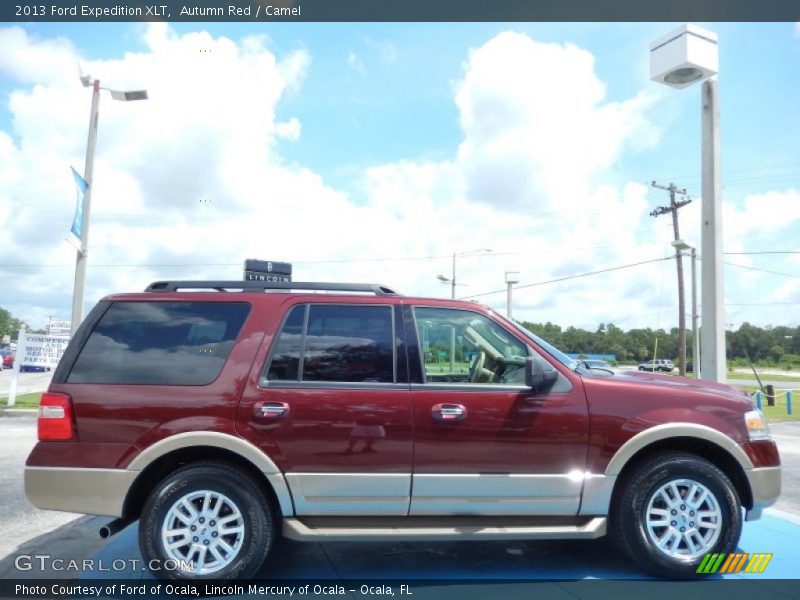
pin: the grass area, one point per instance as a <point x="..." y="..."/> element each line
<point x="23" y="400"/>
<point x="770" y="376"/>
<point x="777" y="412"/>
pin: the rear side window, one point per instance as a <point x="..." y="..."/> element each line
<point x="340" y="343"/>
<point x="285" y="364"/>
<point x="161" y="343"/>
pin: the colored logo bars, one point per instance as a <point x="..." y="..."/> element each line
<point x="734" y="563"/>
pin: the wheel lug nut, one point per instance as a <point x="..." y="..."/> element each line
<point x="205" y="542"/>
<point x="683" y="507"/>
<point x="202" y="520"/>
<point x="212" y="523"/>
<point x="193" y="528"/>
<point x="195" y="539"/>
<point x="214" y="534"/>
<point x="691" y="513"/>
<point x="674" y="512"/>
<point x="691" y="523"/>
<point x="674" y="523"/>
<point x="683" y="529"/>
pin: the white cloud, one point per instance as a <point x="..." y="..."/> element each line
<point x="356" y="63"/>
<point x="535" y="125"/>
<point x="386" y="52"/>
<point x="194" y="176"/>
<point x="32" y="60"/>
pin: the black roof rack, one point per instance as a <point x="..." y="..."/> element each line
<point x="248" y="286"/>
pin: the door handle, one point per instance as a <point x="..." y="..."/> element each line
<point x="449" y="412"/>
<point x="271" y="410"/>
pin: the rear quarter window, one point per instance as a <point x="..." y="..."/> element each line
<point x="161" y="343"/>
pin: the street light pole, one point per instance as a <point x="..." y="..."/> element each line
<point x="712" y="352"/>
<point x="88" y="176"/>
<point x="453" y="279"/>
<point x="678" y="59"/>
<point x="695" y="333"/>
<point x="88" y="172"/>
<point x="681" y="246"/>
<point x="512" y="277"/>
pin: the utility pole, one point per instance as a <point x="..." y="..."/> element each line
<point x="673" y="208"/>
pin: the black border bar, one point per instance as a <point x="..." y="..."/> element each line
<point x="273" y="11"/>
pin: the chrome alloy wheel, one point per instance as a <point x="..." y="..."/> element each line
<point x="683" y="519"/>
<point x="205" y="528"/>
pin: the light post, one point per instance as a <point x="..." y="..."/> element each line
<point x="512" y="277"/>
<point x="452" y="279"/>
<point x="682" y="246"/>
<point x="88" y="171"/>
<point x="682" y="57"/>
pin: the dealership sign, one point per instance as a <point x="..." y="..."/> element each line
<point x="41" y="350"/>
<point x="35" y="350"/>
<point x="267" y="270"/>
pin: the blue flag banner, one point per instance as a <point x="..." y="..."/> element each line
<point x="77" y="222"/>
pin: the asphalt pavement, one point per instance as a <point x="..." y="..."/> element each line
<point x="19" y="520"/>
<point x="28" y="382"/>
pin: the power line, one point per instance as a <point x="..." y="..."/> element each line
<point x="749" y="268"/>
<point x="764" y="252"/>
<point x="527" y="285"/>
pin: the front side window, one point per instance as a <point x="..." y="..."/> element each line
<point x="462" y="346"/>
<point x="339" y="343"/>
<point x="160" y="343"/>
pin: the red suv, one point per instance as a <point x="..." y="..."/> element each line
<point x="225" y="414"/>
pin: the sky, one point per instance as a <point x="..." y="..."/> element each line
<point x="373" y="152"/>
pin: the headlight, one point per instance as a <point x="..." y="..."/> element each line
<point x="756" y="423"/>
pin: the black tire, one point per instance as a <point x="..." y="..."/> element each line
<point x="255" y="511"/>
<point x="630" y="507"/>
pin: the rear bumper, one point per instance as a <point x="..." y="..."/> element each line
<point x="87" y="491"/>
<point x="765" y="486"/>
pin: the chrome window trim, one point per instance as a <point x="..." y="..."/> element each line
<point x="469" y="387"/>
<point x="337" y="385"/>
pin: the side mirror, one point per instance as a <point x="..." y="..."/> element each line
<point x="539" y="374"/>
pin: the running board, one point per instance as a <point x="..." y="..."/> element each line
<point x="417" y="529"/>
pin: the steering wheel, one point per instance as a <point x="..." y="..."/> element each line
<point x="477" y="367"/>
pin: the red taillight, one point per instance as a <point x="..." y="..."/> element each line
<point x="55" y="417"/>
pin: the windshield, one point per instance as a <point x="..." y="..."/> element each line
<point x="549" y="348"/>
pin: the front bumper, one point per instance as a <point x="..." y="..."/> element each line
<point x="765" y="487"/>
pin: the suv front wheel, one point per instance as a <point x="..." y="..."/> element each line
<point x="206" y="520"/>
<point x="672" y="510"/>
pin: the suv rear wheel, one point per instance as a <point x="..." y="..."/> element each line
<point x="672" y="510"/>
<point x="211" y="515"/>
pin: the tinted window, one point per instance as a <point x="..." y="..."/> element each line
<point x="285" y="362"/>
<point x="167" y="343"/>
<point x="348" y="343"/>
